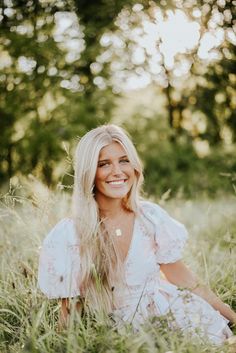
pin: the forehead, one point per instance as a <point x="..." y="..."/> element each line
<point x="113" y="150"/>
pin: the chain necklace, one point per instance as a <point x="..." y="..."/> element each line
<point x="117" y="231"/>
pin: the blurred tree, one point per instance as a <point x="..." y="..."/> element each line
<point x="59" y="74"/>
<point x="49" y="89"/>
<point x="47" y="93"/>
<point x="215" y="98"/>
<point x="30" y="61"/>
<point x="140" y="48"/>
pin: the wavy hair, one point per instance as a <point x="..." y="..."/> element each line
<point x="100" y="264"/>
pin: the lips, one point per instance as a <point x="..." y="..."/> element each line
<point x="117" y="182"/>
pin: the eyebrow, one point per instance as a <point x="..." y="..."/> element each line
<point x="105" y="160"/>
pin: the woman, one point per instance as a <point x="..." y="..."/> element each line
<point x="111" y="252"/>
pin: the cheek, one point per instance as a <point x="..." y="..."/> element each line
<point x="131" y="172"/>
<point x="100" y="176"/>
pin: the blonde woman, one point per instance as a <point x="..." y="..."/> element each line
<point x="111" y="252"/>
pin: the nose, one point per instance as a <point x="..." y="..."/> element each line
<point x="116" y="169"/>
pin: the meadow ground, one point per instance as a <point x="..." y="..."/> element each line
<point x="28" y="321"/>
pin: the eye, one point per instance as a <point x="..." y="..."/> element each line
<point x="124" y="161"/>
<point x="103" y="164"/>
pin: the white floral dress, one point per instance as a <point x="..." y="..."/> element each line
<point x="157" y="239"/>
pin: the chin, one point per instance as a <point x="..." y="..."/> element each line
<point x="118" y="195"/>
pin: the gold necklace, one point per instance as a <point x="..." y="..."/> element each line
<point x="118" y="232"/>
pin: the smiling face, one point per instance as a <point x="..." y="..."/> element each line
<point x="115" y="175"/>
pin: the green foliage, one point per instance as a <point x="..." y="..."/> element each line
<point x="216" y="98"/>
<point x="49" y="98"/>
<point x="175" y="166"/>
<point x="180" y="170"/>
<point x="37" y="113"/>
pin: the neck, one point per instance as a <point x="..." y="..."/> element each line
<point x="111" y="209"/>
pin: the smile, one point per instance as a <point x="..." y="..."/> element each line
<point x="117" y="182"/>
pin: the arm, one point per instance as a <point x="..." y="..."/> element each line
<point x="179" y="274"/>
<point x="64" y="314"/>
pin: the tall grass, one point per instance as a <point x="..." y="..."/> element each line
<point x="28" y="321"/>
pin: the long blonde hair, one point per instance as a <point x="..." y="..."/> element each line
<point x="100" y="265"/>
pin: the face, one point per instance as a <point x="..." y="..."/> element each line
<point x="115" y="174"/>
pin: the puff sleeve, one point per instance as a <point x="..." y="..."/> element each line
<point x="170" y="235"/>
<point x="59" y="262"/>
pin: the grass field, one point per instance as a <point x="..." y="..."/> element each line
<point x="28" y="321"/>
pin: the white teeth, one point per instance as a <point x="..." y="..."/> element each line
<point x="117" y="182"/>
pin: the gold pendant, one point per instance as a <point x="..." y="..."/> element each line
<point x="118" y="232"/>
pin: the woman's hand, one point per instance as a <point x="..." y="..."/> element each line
<point x="64" y="314"/>
<point x="179" y="274"/>
<point x="234" y="319"/>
